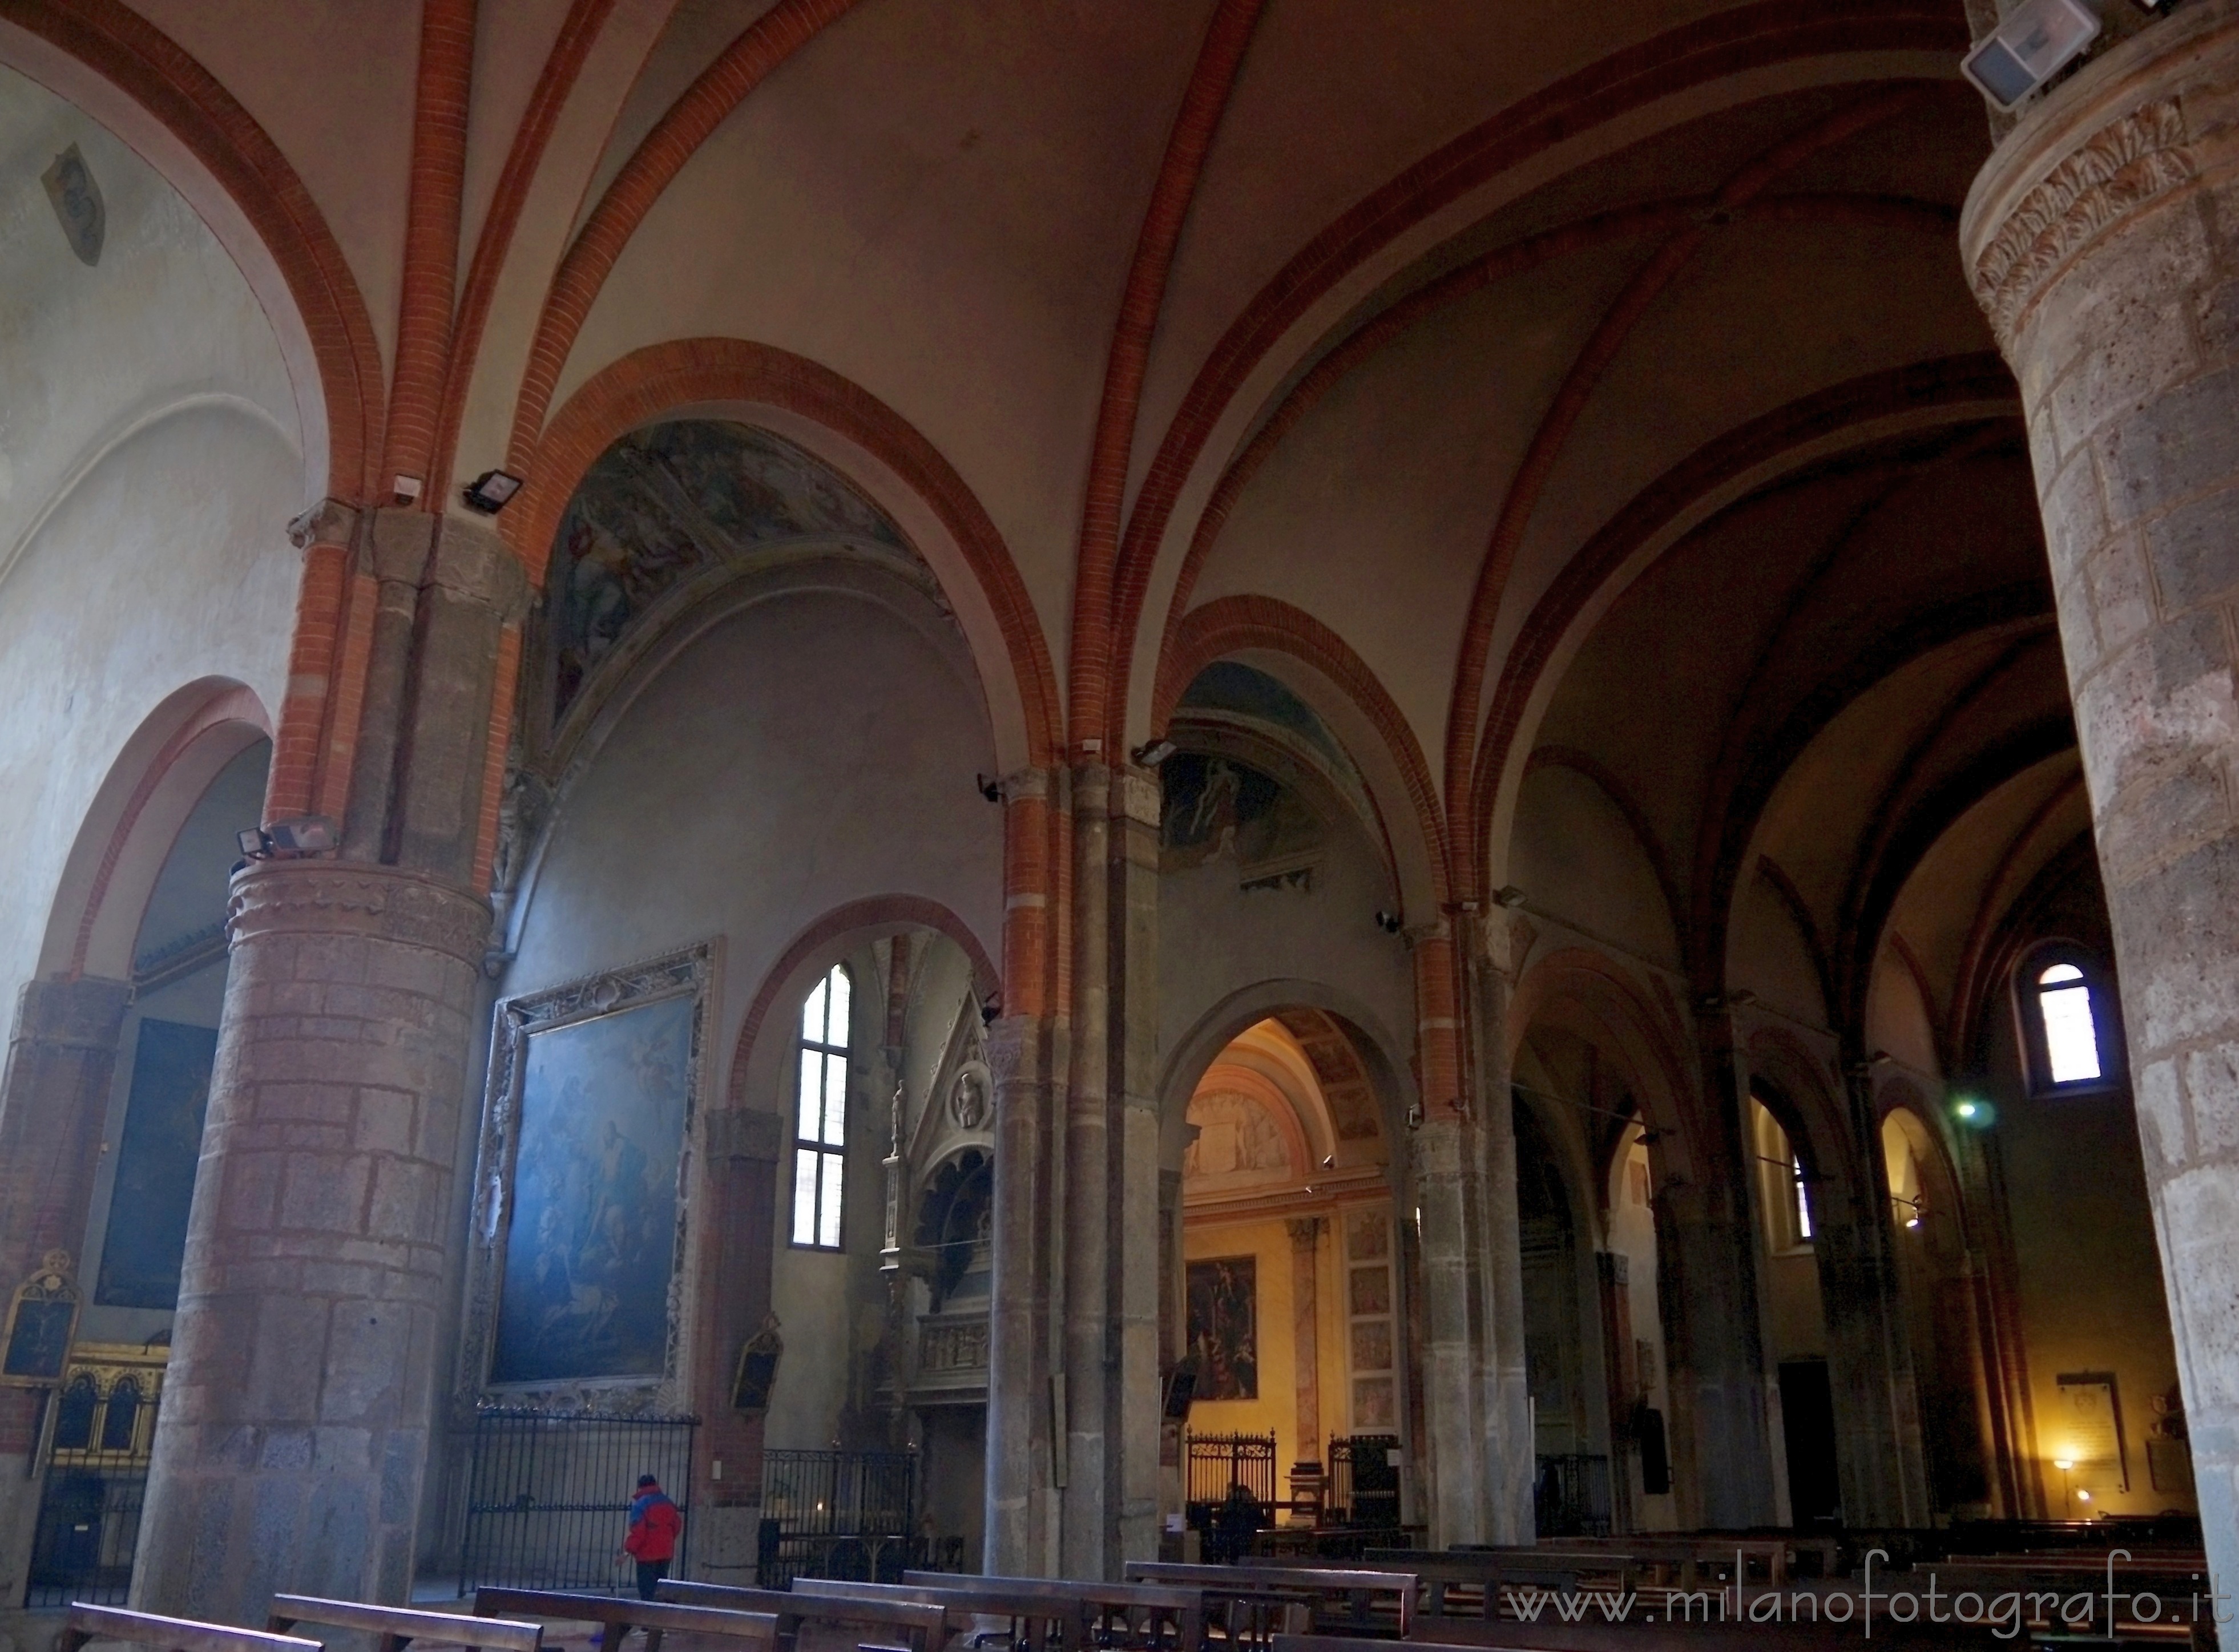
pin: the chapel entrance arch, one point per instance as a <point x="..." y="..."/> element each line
<point x="1287" y="1264"/>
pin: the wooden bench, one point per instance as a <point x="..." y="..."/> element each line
<point x="397" y="1627"/>
<point x="1357" y="1587"/>
<point x="919" y="1629"/>
<point x="1489" y="1576"/>
<point x="1115" y="1614"/>
<point x="169" y="1634"/>
<point x="1037" y="1624"/>
<point x="619" y="1616"/>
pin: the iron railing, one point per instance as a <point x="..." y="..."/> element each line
<point x="850" y="1514"/>
<point x="1364" y="1483"/>
<point x="1219" y="1464"/>
<point x="89" y="1525"/>
<point x="1570" y="1495"/>
<point x="549" y="1495"/>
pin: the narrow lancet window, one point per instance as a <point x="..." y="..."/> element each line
<point x="820" y="1150"/>
<point x="2071" y="1035"/>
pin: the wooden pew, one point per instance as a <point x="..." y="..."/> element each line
<point x="1358" y="1586"/>
<point x="169" y="1634"/>
<point x="620" y="1615"/>
<point x="1490" y="1574"/>
<point x="917" y="1628"/>
<point x="1037" y="1624"/>
<point x="397" y="1627"/>
<point x="1120" y="1615"/>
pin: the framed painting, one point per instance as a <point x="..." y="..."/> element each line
<point x="580" y="1214"/>
<point x="1223" y="1328"/>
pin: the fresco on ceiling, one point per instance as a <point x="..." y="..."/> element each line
<point x="1216" y="807"/>
<point x="1243" y="690"/>
<point x="1223" y="1334"/>
<point x="666" y="502"/>
<point x="591" y="1246"/>
<point x="146" y="1241"/>
<point x="1238" y="1140"/>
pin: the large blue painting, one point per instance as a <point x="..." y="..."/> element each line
<point x="147" y="1237"/>
<point x="591" y="1247"/>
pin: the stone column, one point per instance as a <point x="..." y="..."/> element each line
<point x="1878" y="1448"/>
<point x="1024" y="1054"/>
<point x="746" y="1151"/>
<point x="2099" y="242"/>
<point x="297" y="1410"/>
<point x="1706" y="1292"/>
<point x="1111" y="1181"/>
<point x="54" y="1102"/>
<point x="300" y="1400"/>
<point x="1306" y="1339"/>
<point x="1477" y="1408"/>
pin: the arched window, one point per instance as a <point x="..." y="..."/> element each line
<point x="2069" y="1031"/>
<point x="820" y="1146"/>
<point x="2071" y="1041"/>
<point x="120" y="1422"/>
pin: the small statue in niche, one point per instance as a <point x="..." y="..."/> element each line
<point x="968" y="1099"/>
<point x="757" y="1370"/>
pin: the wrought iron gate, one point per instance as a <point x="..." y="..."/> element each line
<point x="849" y="1514"/>
<point x="549" y="1494"/>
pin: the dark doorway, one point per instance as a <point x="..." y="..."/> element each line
<point x="1807" y="1414"/>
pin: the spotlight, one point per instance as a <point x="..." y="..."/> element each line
<point x="1414" y="1115"/>
<point x="492" y="491"/>
<point x="1328" y="1160"/>
<point x="992" y="790"/>
<point x="1156" y="752"/>
<point x="1387" y="921"/>
<point x="1509" y="896"/>
<point x="301" y="834"/>
<point x="2032" y="45"/>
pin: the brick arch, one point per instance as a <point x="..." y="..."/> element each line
<point x="173" y="108"/>
<point x="872" y="915"/>
<point x="1582" y="991"/>
<point x="1951" y="390"/>
<point x="1231" y="624"/>
<point x="750" y="58"/>
<point x="1735" y="43"/>
<point x="684" y="373"/>
<point x="1803" y="1098"/>
<point x="151" y="788"/>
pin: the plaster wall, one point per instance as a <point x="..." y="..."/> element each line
<point x="1576" y="857"/>
<point x="813" y="749"/>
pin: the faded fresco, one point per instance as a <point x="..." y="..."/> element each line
<point x="146" y="1240"/>
<point x="1215" y="806"/>
<point x="1224" y="1327"/>
<point x="665" y="502"/>
<point x="591" y="1247"/>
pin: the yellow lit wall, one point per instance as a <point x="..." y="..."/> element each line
<point x="1268" y="1240"/>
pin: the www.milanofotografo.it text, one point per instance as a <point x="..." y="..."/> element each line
<point x="2005" y="1612"/>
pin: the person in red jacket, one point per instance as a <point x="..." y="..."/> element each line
<point x="655" y="1526"/>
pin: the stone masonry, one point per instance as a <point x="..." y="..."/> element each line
<point x="2100" y="240"/>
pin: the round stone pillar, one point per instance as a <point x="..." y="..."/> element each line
<point x="297" y="1409"/>
<point x="2102" y="242"/>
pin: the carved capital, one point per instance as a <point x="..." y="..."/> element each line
<point x="327" y="522"/>
<point x="1305" y="1230"/>
<point x="342" y="898"/>
<point x="472" y="563"/>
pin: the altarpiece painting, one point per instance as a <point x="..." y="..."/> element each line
<point x="592" y="1088"/>
<point x="1223" y="1328"/>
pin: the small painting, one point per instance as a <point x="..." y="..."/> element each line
<point x="1368" y="1235"/>
<point x="1371" y="1346"/>
<point x="1215" y="806"/>
<point x="146" y="1238"/>
<point x="1371" y="1290"/>
<point x="1223" y="1328"/>
<point x="591" y="1247"/>
<point x="1374" y="1405"/>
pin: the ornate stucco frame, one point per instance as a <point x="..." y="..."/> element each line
<point x="689" y="972"/>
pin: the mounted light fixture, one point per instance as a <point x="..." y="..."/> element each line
<point x="492" y="491"/>
<point x="1389" y="922"/>
<point x="2030" y="47"/>
<point x="1156" y="752"/>
<point x="990" y="788"/>
<point x="300" y="834"/>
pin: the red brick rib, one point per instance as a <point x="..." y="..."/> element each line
<point x="1203" y="100"/>
<point x="152" y="69"/>
<point x="1745" y="38"/>
<point x="722" y="86"/>
<point x="578" y="30"/>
